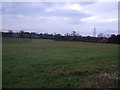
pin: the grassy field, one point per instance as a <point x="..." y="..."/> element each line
<point x="54" y="64"/>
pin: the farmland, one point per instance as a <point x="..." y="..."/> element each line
<point x="41" y="63"/>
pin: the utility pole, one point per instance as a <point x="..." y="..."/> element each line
<point x="94" y="32"/>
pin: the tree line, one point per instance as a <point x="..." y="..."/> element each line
<point x="67" y="37"/>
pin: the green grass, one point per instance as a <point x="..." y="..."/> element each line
<point x="32" y="63"/>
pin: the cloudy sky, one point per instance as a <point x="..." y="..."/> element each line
<point x="61" y="17"/>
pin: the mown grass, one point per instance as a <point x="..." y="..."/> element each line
<point x="33" y="63"/>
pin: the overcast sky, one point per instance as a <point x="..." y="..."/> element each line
<point x="61" y="17"/>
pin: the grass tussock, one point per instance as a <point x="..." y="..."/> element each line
<point x="103" y="80"/>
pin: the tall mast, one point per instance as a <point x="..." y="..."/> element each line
<point x="94" y="32"/>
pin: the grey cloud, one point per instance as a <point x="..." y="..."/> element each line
<point x="39" y="9"/>
<point x="22" y="8"/>
<point x="69" y="13"/>
<point x="86" y="3"/>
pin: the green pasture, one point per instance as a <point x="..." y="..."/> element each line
<point x="38" y="63"/>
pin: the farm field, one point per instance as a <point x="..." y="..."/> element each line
<point x="39" y="63"/>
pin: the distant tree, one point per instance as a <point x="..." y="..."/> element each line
<point x="100" y="35"/>
<point x="40" y="36"/>
<point x="73" y="33"/>
<point x="113" y="39"/>
<point x="10" y="33"/>
<point x="77" y="34"/>
<point x="107" y="35"/>
<point x="46" y="34"/>
<point x="34" y="35"/>
<point x="21" y="34"/>
<point x="67" y="34"/>
<point x="26" y="35"/>
<point x="118" y="38"/>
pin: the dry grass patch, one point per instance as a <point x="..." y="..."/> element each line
<point x="103" y="80"/>
<point x="72" y="72"/>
